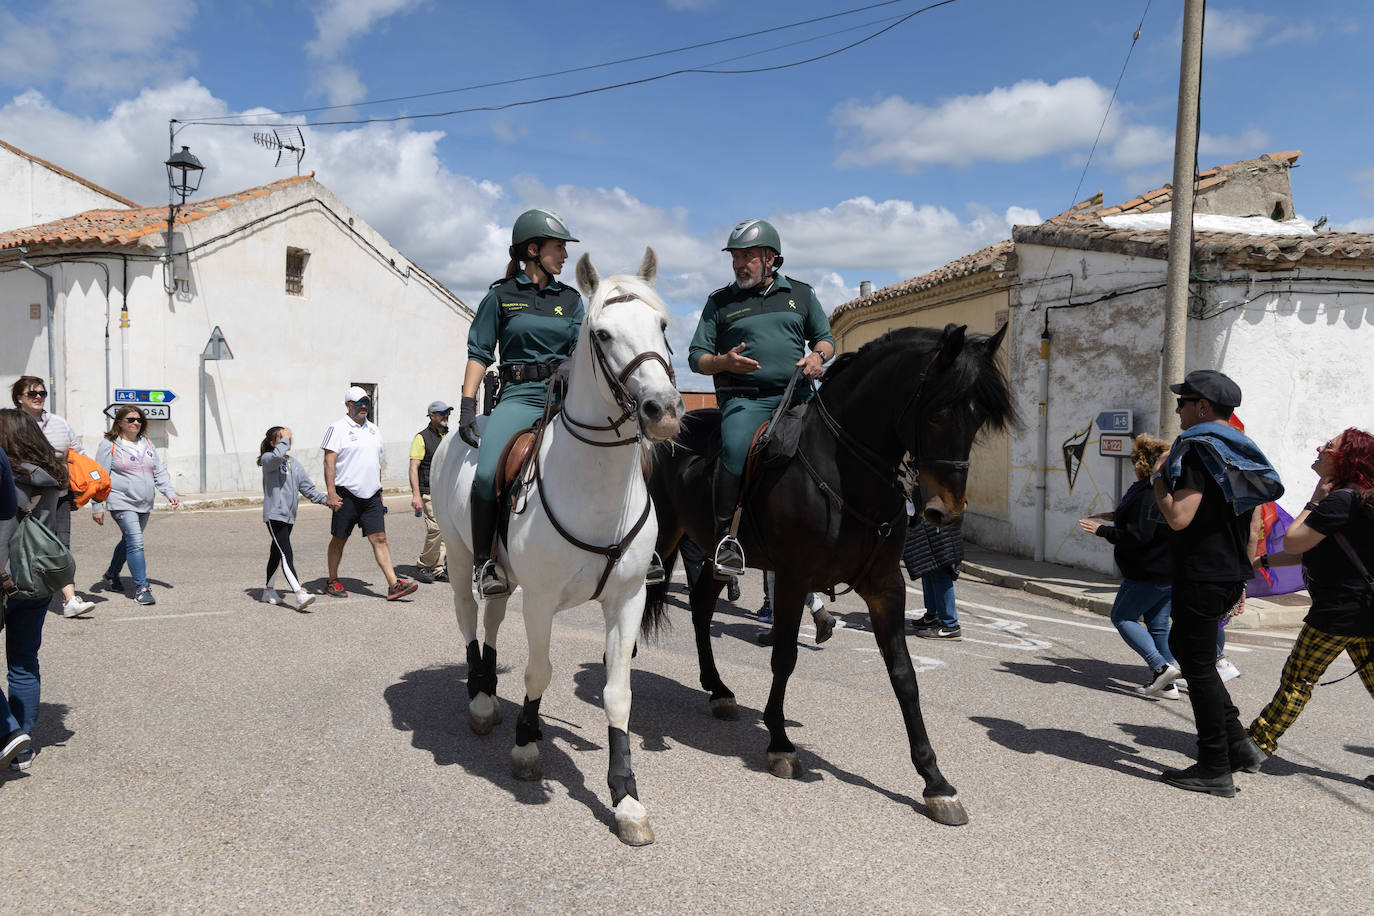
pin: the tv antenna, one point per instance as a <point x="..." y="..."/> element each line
<point x="284" y="140"/>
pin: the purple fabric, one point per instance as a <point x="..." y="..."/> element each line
<point x="1282" y="579"/>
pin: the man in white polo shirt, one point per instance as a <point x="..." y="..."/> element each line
<point x="353" y="480"/>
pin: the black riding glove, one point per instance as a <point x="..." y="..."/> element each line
<point x="467" y="422"/>
<point x="561" y="376"/>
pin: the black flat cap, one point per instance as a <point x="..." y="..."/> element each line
<point x="1215" y="386"/>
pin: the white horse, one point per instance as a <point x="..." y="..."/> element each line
<point x="587" y="531"/>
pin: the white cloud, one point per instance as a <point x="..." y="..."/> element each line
<point x="1355" y="225"/>
<point x="1029" y="119"/>
<point x="1365" y="179"/>
<point x="340" y="21"/>
<point x="1231" y="32"/>
<point x="337" y="23"/>
<point x="508" y="132"/>
<point x="861" y="234"/>
<point x="94" y="44"/>
<point x="1143" y="145"/>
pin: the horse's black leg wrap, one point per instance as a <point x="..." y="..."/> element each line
<point x="474" y="669"/>
<point x="527" y="725"/>
<point x="488" y="683"/>
<point x="620" y="777"/>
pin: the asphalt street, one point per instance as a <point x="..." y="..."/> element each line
<point x="212" y="753"/>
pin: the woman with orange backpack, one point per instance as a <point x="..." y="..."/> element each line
<point x="30" y="394"/>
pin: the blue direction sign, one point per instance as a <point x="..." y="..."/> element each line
<point x="144" y="396"/>
<point x="1114" y="421"/>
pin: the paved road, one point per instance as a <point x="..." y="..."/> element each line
<point x="213" y="753"/>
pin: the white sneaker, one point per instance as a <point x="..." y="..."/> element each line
<point x="1161" y="678"/>
<point x="270" y="596"/>
<point x="304" y="599"/>
<point x="76" y="607"/>
<point x="1228" y="671"/>
<point x="1169" y="693"/>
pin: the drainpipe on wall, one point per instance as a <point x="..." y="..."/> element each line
<point x="52" y="352"/>
<point x="1042" y="444"/>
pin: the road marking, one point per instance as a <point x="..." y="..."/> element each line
<point x="171" y="616"/>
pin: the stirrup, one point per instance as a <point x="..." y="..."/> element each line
<point x="655" y="575"/>
<point x="729" y="559"/>
<point x="490" y="581"/>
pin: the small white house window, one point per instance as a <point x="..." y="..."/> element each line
<point x="296" y="259"/>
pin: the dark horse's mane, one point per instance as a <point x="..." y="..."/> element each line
<point x="975" y="377"/>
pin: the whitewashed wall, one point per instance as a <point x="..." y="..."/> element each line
<point x="1301" y="359"/>
<point x="31" y="194"/>
<point x="362" y="320"/>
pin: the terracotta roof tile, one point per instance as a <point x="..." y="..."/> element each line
<point x="124" y="228"/>
<point x="72" y="175"/>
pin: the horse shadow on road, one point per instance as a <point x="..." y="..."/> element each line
<point x="1093" y="673"/>
<point x="431" y="704"/>
<point x="1070" y="745"/>
<point x="667" y="713"/>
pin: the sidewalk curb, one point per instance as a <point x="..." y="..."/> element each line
<point x="1259" y="614"/>
<point x="240" y="501"/>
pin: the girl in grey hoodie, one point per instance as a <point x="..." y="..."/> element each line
<point x="283" y="480"/>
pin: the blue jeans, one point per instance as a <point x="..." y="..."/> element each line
<point x="937" y="587"/>
<point x="23" y="635"/>
<point x="130" y="547"/>
<point x="1152" y="602"/>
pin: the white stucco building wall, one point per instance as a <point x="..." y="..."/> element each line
<point x="1296" y="341"/>
<point x="366" y="315"/>
<point x="34" y="191"/>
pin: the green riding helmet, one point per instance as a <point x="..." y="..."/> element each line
<point x="539" y="224"/>
<point x="755" y="233"/>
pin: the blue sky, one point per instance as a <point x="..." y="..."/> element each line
<point x="879" y="163"/>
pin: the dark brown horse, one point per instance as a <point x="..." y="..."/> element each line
<point x="836" y="512"/>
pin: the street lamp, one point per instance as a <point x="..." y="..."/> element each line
<point x="184" y="172"/>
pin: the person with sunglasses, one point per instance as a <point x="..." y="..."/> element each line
<point x="1207" y="488"/>
<point x="30" y="394"/>
<point x="137" y="475"/>
<point x="353" y="448"/>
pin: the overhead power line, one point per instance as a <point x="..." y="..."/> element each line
<point x="227" y="120"/>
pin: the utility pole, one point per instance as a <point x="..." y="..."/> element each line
<point x="1181" y="221"/>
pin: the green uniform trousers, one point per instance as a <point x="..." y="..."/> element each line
<point x="739" y="418"/>
<point x="520" y="406"/>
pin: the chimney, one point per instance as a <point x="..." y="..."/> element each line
<point x="865" y="287"/>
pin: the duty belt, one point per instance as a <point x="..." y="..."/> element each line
<point x="528" y="372"/>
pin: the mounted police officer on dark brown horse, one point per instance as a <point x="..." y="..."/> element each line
<point x="834" y="511"/>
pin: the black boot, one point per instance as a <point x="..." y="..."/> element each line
<point x="729" y="555"/>
<point x="491" y="581"/>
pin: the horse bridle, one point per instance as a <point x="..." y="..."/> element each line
<point x="617" y="382"/>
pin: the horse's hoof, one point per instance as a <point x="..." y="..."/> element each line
<point x="483" y="714"/>
<point x="784" y="766"/>
<point x="946" y="809"/>
<point x="632" y="823"/>
<point x="725" y="708"/>
<point x="525" y="761"/>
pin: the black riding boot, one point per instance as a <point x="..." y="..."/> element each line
<point x="729" y="555"/>
<point x="491" y="581"/>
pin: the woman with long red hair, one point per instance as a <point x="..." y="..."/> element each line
<point x="1333" y="539"/>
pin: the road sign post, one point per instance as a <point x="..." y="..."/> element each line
<point x="215" y="348"/>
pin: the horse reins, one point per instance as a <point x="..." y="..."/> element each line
<point x="619" y="390"/>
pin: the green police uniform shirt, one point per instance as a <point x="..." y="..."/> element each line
<point x="774" y="321"/>
<point x="529" y="324"/>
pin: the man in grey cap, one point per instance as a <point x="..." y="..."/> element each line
<point x="433" y="557"/>
<point x="1207" y="489"/>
